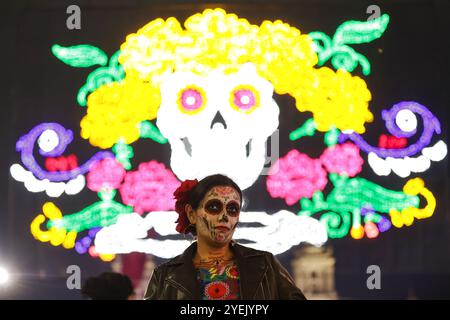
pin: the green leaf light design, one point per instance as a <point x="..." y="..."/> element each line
<point x="350" y="32"/>
<point x="331" y="137"/>
<point x="149" y="130"/>
<point x="80" y="56"/>
<point x="343" y="204"/>
<point x="124" y="153"/>
<point x="100" y="76"/>
<point x="84" y="56"/>
<point x="102" y="213"/>
<point x="308" y="128"/>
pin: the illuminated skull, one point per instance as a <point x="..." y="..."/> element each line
<point x="218" y="123"/>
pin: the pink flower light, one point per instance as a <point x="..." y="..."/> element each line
<point x="150" y="188"/>
<point x="298" y="176"/>
<point x="342" y="159"/>
<point x="106" y="173"/>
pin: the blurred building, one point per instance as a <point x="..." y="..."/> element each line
<point x="313" y="270"/>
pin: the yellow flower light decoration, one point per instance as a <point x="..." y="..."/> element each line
<point x="115" y="111"/>
<point x="338" y="100"/>
<point x="55" y="235"/>
<point x="406" y="217"/>
<point x="214" y="39"/>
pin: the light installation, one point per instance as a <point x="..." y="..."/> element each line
<point x="227" y="117"/>
<point x="52" y="139"/>
<point x="84" y="56"/>
<point x="279" y="232"/>
<point x="52" y="189"/>
<point x="149" y="188"/>
<point x="206" y="91"/>
<point x="350" y="32"/>
<point x="402" y="157"/>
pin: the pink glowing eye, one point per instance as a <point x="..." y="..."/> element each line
<point x="245" y="99"/>
<point x="191" y="99"/>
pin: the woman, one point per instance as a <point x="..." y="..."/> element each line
<point x="215" y="266"/>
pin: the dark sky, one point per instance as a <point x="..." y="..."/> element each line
<point x="409" y="62"/>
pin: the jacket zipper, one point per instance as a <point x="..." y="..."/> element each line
<point x="179" y="287"/>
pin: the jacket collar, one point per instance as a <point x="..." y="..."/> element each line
<point x="250" y="263"/>
<point x="252" y="268"/>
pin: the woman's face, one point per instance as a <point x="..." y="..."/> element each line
<point x="217" y="216"/>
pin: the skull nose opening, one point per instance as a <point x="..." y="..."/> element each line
<point x="218" y="119"/>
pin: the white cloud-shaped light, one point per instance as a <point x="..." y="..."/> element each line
<point x="52" y="189"/>
<point x="403" y="167"/>
<point x="278" y="233"/>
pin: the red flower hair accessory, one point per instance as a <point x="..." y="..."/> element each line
<point x="181" y="195"/>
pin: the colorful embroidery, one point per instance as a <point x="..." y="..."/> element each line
<point x="232" y="272"/>
<point x="216" y="290"/>
<point x="219" y="283"/>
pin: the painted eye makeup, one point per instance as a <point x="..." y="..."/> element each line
<point x="215" y="206"/>
<point x="233" y="208"/>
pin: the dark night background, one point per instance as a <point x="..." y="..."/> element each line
<point x="409" y="62"/>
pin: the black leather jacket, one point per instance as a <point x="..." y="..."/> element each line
<point x="262" y="277"/>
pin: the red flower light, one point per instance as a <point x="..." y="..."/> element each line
<point x="61" y="163"/>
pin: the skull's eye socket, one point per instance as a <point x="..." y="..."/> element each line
<point x="244" y="98"/>
<point x="191" y="100"/>
<point x="214" y="206"/>
<point x="233" y="209"/>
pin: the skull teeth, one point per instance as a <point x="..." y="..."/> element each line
<point x="187" y="146"/>
<point x="247" y="148"/>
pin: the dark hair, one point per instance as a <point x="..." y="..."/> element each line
<point x="108" y="286"/>
<point x="201" y="189"/>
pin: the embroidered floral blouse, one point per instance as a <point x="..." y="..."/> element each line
<point x="220" y="282"/>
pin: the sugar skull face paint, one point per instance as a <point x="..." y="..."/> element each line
<point x="218" y="215"/>
<point x="216" y="206"/>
